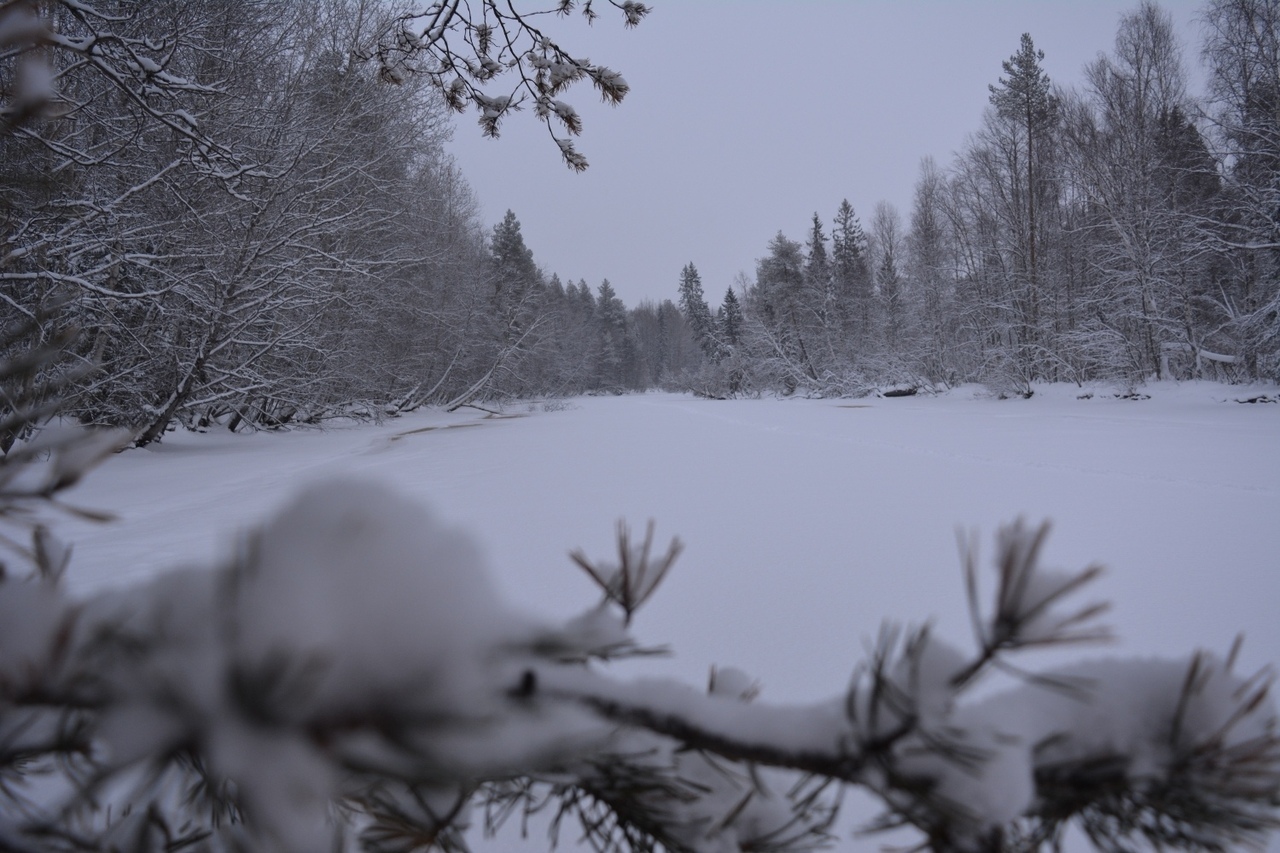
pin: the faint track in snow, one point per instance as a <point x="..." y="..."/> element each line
<point x="381" y="445"/>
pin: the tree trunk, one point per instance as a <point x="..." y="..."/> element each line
<point x="179" y="396"/>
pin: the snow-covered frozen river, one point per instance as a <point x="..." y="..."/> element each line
<point x="806" y="522"/>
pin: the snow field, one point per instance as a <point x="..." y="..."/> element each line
<point x="806" y="522"/>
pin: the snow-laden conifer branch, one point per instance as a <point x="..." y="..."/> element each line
<point x="351" y="678"/>
<point x="465" y="49"/>
<point x="1109" y="745"/>
<point x="1023" y="614"/>
<point x="633" y="579"/>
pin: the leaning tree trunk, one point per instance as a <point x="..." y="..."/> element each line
<point x="177" y="398"/>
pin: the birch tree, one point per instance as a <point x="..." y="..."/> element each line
<point x="1149" y="265"/>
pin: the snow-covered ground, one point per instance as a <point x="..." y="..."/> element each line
<point x="806" y="522"/>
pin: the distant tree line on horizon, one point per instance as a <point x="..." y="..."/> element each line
<point x="1120" y="231"/>
<point x="234" y="219"/>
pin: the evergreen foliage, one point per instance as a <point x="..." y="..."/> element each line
<point x="730" y="320"/>
<point x="850" y="273"/>
<point x="1025" y="94"/>
<point x="696" y="311"/>
<point x="817" y="272"/>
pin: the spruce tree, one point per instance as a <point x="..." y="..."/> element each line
<point x="850" y="273"/>
<point x="817" y="268"/>
<point x="1024" y="96"/>
<point x="616" y="358"/>
<point x="512" y="260"/>
<point x="514" y="275"/>
<point x="696" y="312"/>
<point x="730" y="319"/>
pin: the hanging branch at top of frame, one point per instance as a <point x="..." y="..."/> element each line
<point x="487" y="55"/>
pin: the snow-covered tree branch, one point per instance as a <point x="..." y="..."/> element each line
<point x="350" y="677"/>
<point x="485" y="54"/>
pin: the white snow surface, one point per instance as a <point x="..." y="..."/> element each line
<point x="807" y="522"/>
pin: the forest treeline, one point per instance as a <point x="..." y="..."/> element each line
<point x="1121" y="230"/>
<point x="236" y="217"/>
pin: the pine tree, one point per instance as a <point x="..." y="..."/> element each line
<point x="1024" y="97"/>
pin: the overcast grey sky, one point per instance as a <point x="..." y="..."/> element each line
<point x="746" y="117"/>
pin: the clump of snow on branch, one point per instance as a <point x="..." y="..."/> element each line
<point x="374" y="595"/>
